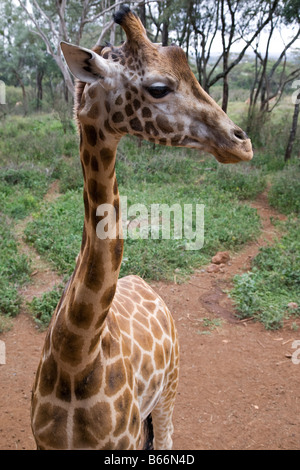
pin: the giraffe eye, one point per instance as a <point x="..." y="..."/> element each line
<point x="158" y="91"/>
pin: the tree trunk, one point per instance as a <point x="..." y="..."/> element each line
<point x="225" y="58"/>
<point x="225" y="83"/>
<point x="25" y="103"/>
<point x="66" y="74"/>
<point x="142" y="14"/>
<point x="292" y="136"/>
<point x="166" y="24"/>
<point x="165" y="33"/>
<point x="66" y="93"/>
<point x="39" y="88"/>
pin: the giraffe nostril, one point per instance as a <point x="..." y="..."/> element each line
<point x="239" y="134"/>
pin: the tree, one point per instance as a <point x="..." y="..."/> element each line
<point x="205" y="21"/>
<point x="246" y="20"/>
<point x="65" y="20"/>
<point x="272" y="76"/>
<point x="291" y="13"/>
<point x="292" y="136"/>
<point x="20" y="53"/>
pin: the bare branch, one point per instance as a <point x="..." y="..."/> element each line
<point x="105" y="30"/>
<point x="84" y="11"/>
<point x="49" y="21"/>
<point x="61" y="7"/>
<point x="283" y="53"/>
<point x="39" y="30"/>
<point x="248" y="43"/>
<point x="112" y="7"/>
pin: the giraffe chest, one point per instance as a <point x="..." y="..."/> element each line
<point x="101" y="412"/>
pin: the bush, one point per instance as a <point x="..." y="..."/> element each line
<point x="42" y="308"/>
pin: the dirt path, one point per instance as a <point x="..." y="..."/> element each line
<point x="239" y="388"/>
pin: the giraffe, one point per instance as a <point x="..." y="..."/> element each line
<point x="109" y="368"/>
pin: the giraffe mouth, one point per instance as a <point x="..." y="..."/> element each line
<point x="239" y="152"/>
<point x="227" y="157"/>
<point x="224" y="156"/>
<point x="236" y="156"/>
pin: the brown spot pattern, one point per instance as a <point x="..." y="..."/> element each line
<point x="81" y="314"/>
<point x="63" y="389"/>
<point x="118" y="117"/>
<point x="122" y="408"/>
<point x="94" y="273"/>
<point x="108" y="296"/>
<point x="107" y="157"/>
<point x="97" y="192"/>
<point x="48" y="376"/>
<point x="86" y="157"/>
<point x="88" y="382"/>
<point x="91" y="425"/>
<point x="136" y="125"/>
<point x="55" y="418"/>
<point x="91" y="134"/>
<point x="115" y="378"/>
<point x="94" y="112"/>
<point x="129" y="110"/>
<point x="164" y="125"/>
<point x="116" y="249"/>
<point x="146" y="113"/>
<point x="94" y="164"/>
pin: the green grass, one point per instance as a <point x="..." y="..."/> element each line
<point x="38" y="140"/>
<point x="274" y="281"/>
<point x="243" y="181"/>
<point x="284" y="194"/>
<point x="14" y="272"/>
<point x="56" y="230"/>
<point x="22" y="190"/>
<point x="38" y="149"/>
<point x="150" y="175"/>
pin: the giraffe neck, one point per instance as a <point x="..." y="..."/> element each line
<point x="100" y="258"/>
<point x="91" y="289"/>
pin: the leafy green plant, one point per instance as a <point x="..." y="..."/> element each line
<point x="274" y="281"/>
<point x="42" y="308"/>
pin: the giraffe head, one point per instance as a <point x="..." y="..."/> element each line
<point x="150" y="91"/>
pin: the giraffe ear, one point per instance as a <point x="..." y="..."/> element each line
<point x="85" y="64"/>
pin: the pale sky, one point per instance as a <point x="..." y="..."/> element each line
<point x="276" y="45"/>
